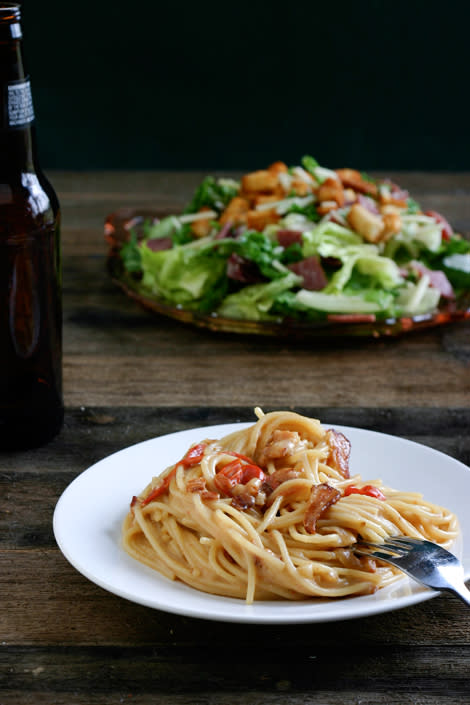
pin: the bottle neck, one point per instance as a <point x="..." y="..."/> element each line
<point x="17" y="137"/>
<point x="17" y="152"/>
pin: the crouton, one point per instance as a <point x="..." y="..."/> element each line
<point x="353" y="179"/>
<point x="258" y="220"/>
<point x="265" y="198"/>
<point x="367" y="224"/>
<point x="331" y="190"/>
<point x="236" y="211"/>
<point x="300" y="187"/>
<point x="253" y="196"/>
<point x="201" y="228"/>
<point x="391" y="225"/>
<point x="263" y="181"/>
<point x="278" y="167"/>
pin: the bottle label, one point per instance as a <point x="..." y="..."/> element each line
<point x="20" y="109"/>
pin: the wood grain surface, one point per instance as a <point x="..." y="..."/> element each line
<point x="130" y="376"/>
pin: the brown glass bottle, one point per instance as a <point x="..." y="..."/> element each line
<point x="31" y="407"/>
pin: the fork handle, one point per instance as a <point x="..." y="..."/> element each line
<point x="463" y="592"/>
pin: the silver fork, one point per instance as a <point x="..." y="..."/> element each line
<point x="422" y="560"/>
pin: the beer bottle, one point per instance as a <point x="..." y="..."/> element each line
<point x="31" y="407"/>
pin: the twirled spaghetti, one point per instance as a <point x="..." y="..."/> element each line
<point x="271" y="512"/>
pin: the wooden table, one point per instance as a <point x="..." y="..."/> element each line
<point x="130" y="376"/>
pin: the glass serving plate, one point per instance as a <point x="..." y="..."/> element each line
<point x="117" y="229"/>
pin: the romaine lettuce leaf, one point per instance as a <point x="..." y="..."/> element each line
<point x="453" y="259"/>
<point x="343" y="303"/>
<point x="382" y="271"/>
<point x="457" y="269"/>
<point x="169" y="227"/>
<point x="163" y="228"/>
<point x="213" y="193"/>
<point x="415" y="237"/>
<point x="263" y="251"/>
<point x="414" y="299"/>
<point x="255" y="302"/>
<point x="309" y="164"/>
<point x="130" y="254"/>
<point x="330" y="240"/>
<point x="189" y="275"/>
<point x="379" y="271"/>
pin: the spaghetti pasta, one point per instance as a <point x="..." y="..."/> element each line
<point x="271" y="512"/>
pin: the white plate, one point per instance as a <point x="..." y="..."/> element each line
<point x="89" y="514"/>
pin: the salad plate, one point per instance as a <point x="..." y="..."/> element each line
<point x="119" y="223"/>
<point x="294" y="252"/>
<point x="91" y="540"/>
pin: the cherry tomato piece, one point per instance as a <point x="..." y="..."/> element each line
<point x="368" y="490"/>
<point x="193" y="456"/>
<point x="446" y="229"/>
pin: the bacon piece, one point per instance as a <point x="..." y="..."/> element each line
<point x="208" y="495"/>
<point x="198" y="484"/>
<point x="244" y="500"/>
<point x="340" y="450"/>
<point x="368" y="203"/>
<point x="437" y="279"/>
<point x="281" y="444"/>
<point x="397" y="193"/>
<point x="157" y="244"/>
<point x="243" y="270"/>
<point x="312" y="273"/>
<point x="227" y="478"/>
<point x="321" y="497"/>
<point x="279" y="476"/>
<point x="289" y="237"/>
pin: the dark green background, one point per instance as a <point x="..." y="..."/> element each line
<point x="176" y="85"/>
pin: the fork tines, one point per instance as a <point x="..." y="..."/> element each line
<point x="399" y="545"/>
<point x="402" y="543"/>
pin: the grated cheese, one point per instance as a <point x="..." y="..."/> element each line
<point x="284" y="204"/>
<point x="192" y="217"/>
<point x="303" y="175"/>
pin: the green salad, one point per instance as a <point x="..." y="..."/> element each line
<point x="302" y="243"/>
